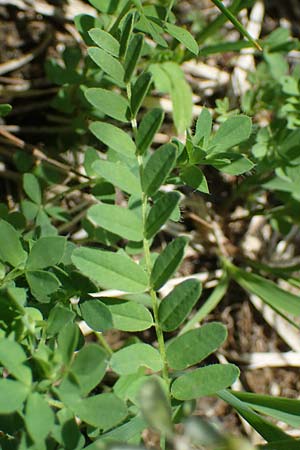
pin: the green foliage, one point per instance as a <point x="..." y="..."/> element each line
<point x="58" y="391"/>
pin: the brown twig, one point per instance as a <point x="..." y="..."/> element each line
<point x="39" y="155"/>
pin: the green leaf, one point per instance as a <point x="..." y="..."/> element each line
<point x="139" y="91"/>
<point x="42" y="284"/>
<point x="110" y="270"/>
<point x="32" y="188"/>
<point x="266" y="429"/>
<point x="107" y="63"/>
<point x="167" y="262"/>
<point x="268" y="291"/>
<point x="29" y="209"/>
<point x="39" y="417"/>
<point x="155" y="405"/>
<point x="203" y="127"/>
<point x="161" y="212"/>
<point x="127" y="432"/>
<point x="5" y="109"/>
<point x="194" y="177"/>
<point x="12" y="394"/>
<point x="11" y="250"/>
<point x="129" y="359"/>
<point x="58" y="318"/>
<point x="212" y="301"/>
<point x="114" y="138"/>
<point x="183" y="36"/>
<point x="128" y="315"/>
<point x="118" y="220"/>
<point x="181" y="93"/>
<point x="89" y="367"/>
<point x="204" y="381"/>
<point x="235" y="130"/>
<point x="96" y="315"/>
<point x="176" y="306"/>
<point x="46" y="252"/>
<point x="126" y="33"/>
<point x="149" y="125"/>
<point x="13" y="357"/>
<point x="192" y="347"/>
<point x="67" y="432"/>
<point x="239" y="164"/>
<point x="105" y="40"/>
<point x="119" y="175"/>
<point x="105" y="6"/>
<point x="158" y="168"/>
<point x="84" y="23"/>
<point x="284" y="409"/>
<point x="132" y="56"/>
<point x="67" y="341"/>
<point x="103" y="411"/>
<point x="109" y="103"/>
<point x="153" y="29"/>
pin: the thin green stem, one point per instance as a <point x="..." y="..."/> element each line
<point x="236" y="23"/>
<point x="154" y="300"/>
<point x="55" y="403"/>
<point x="171" y="4"/>
<point x="104" y="343"/>
<point x="146" y="246"/>
<point x="12" y="275"/>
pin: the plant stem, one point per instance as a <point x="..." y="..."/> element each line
<point x="236" y="23"/>
<point x="103" y="342"/>
<point x="154" y="300"/>
<point x="171" y="4"/>
<point x="146" y="246"/>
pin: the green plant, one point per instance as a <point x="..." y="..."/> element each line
<point x="58" y="391"/>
